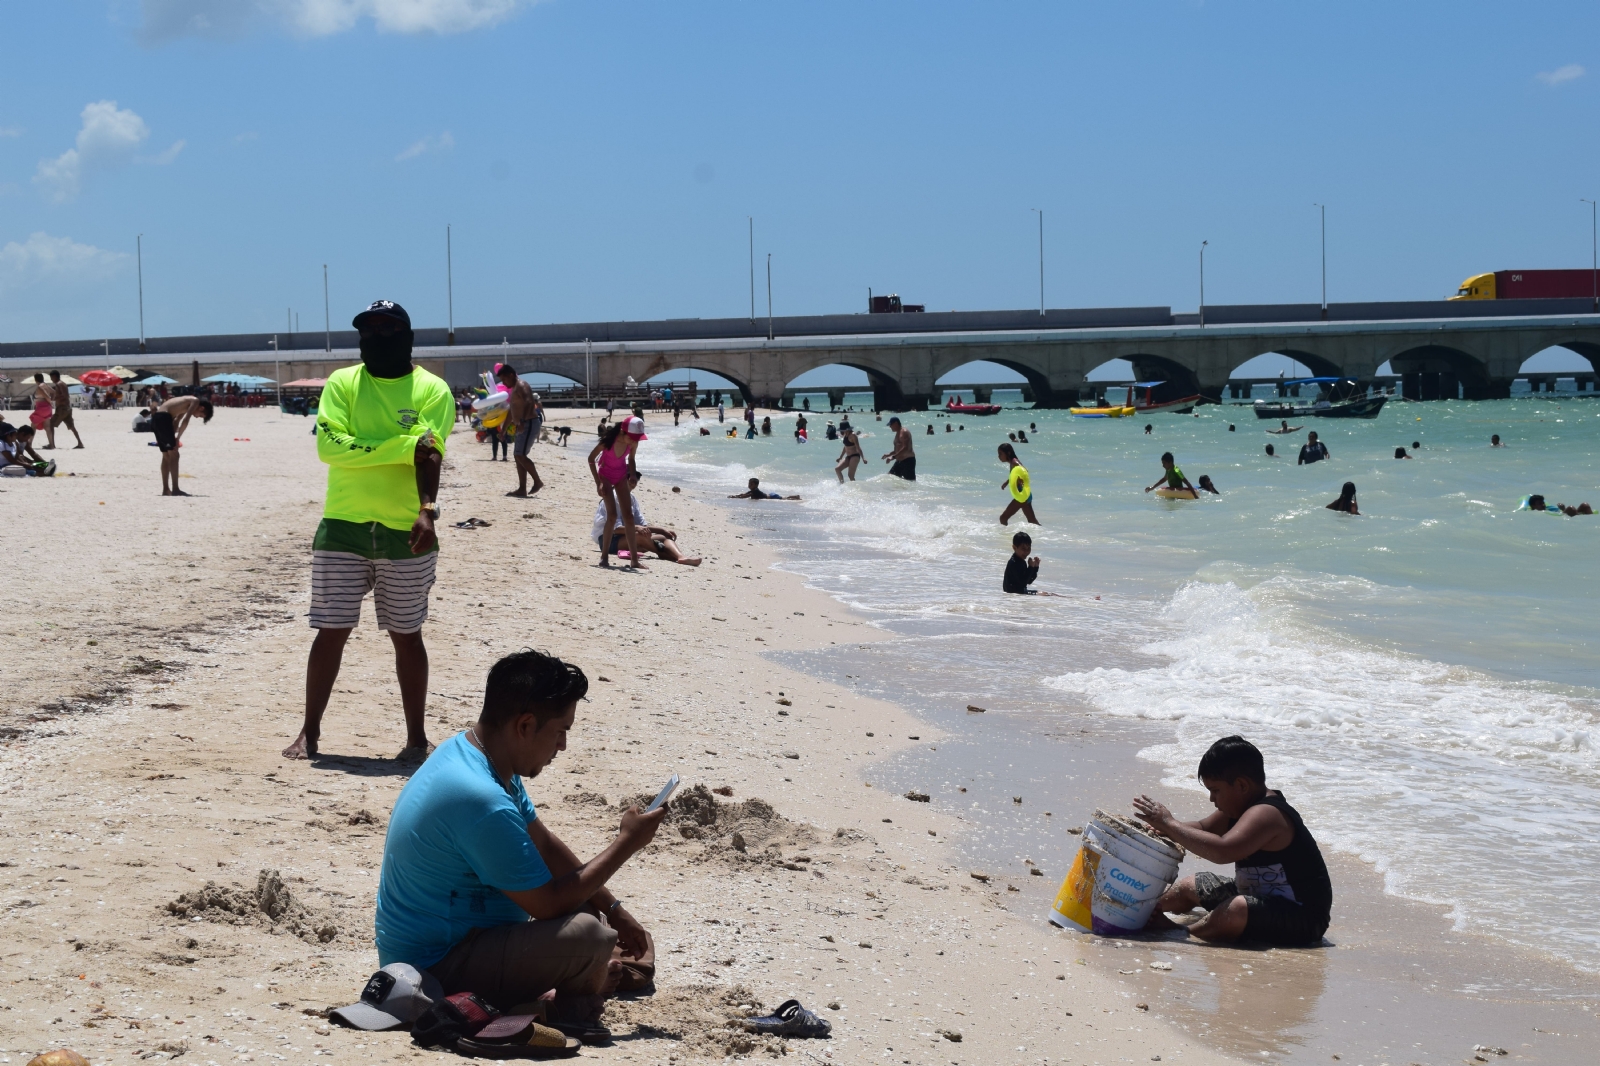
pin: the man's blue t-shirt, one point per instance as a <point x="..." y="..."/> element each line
<point x="456" y="839"/>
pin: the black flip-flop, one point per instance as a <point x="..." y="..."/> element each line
<point x="790" y="1019"/>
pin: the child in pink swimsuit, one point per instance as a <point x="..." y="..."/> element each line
<point x="610" y="462"/>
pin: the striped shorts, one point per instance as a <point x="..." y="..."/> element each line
<point x="350" y="559"/>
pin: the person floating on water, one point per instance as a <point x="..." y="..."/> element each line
<point x="1207" y="486"/>
<point x="1347" y="500"/>
<point x="1271" y="454"/>
<point x="1494" y="441"/>
<point x="1313" y="450"/>
<point x="1280" y="892"/>
<point x="1574" y="512"/>
<point x="1174" y="479"/>
<point x="1020" y="485"/>
<point x="756" y="492"/>
<point x="1022" y="571"/>
<point x="1285" y="427"/>
<point x="1536" y="503"/>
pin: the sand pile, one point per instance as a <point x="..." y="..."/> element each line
<point x="271" y="906"/>
<point x="750" y="831"/>
<point x="704" y="1019"/>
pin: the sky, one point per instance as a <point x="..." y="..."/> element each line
<point x="601" y="160"/>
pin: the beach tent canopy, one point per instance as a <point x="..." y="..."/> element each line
<point x="123" y="372"/>
<point x="305" y="383"/>
<point x="155" y="379"/>
<point x="68" y="379"/>
<point x="245" y="380"/>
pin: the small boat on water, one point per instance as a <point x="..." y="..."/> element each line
<point x="1336" y="398"/>
<point x="971" y="408"/>
<point x="1146" y="398"/>
<point x="1119" y="411"/>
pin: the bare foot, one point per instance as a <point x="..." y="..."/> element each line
<point x="634" y="564"/>
<point x="537" y="485"/>
<point x="415" y="753"/>
<point x="178" y="492"/>
<point x="521" y="494"/>
<point x="1159" y="922"/>
<point x="605" y="561"/>
<point x="79" y="445"/>
<point x="690" y="562"/>
<point x="613" y="978"/>
<point x="304" y="747"/>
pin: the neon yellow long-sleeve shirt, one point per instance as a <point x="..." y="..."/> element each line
<point x="367" y="430"/>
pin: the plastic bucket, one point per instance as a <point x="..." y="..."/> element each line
<point x="1116" y="880"/>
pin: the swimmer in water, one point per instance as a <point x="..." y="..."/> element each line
<point x="1400" y="453"/>
<point x="1574" y="512"/>
<point x="1147" y="428"/>
<point x="1270" y="453"/>
<point x="1347" y="500"/>
<point x="1173" y="479"/>
<point x="1021" y="571"/>
<point x="1021" y="487"/>
<point x="1494" y="441"/>
<point x="756" y="492"/>
<point x="1207" y="486"/>
<point x="1285" y="427"/>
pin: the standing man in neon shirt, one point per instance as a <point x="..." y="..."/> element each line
<point x="381" y="428"/>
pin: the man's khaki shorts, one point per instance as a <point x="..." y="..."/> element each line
<point x="512" y="964"/>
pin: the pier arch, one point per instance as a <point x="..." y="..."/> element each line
<point x="982" y="376"/>
<point x="1437" y="371"/>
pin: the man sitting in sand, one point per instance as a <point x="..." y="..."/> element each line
<point x="663" y="541"/>
<point x="477" y="890"/>
<point x="756" y="492"/>
<point x="16" y="449"/>
<point x="168" y="421"/>
<point x="1280" y="892"/>
<point x="381" y="429"/>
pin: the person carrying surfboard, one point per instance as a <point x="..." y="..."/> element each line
<point x="1173" y="479"/>
<point x="1021" y="487"/>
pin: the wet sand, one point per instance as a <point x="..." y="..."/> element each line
<point x="1395" y="984"/>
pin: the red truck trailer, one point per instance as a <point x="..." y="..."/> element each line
<point x="1530" y="285"/>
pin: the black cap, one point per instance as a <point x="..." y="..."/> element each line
<point x="382" y="309"/>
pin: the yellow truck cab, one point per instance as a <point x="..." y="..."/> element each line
<point x="1477" y="287"/>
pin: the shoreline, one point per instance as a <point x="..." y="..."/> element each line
<point x="1417" y="982"/>
<point x="142" y="762"/>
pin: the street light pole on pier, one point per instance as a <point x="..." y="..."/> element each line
<point x="327" y="319"/>
<point x="1203" y="283"/>
<point x="1324" y="213"/>
<point x="139" y="247"/>
<point x="1040" y="213"/>
<point x="1594" y="257"/>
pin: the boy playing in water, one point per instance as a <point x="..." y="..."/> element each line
<point x="1173" y="477"/>
<point x="1280" y="892"/>
<point x="756" y="492"/>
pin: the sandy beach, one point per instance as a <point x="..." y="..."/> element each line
<point x="171" y="886"/>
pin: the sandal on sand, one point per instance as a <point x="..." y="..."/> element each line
<point x="517" y="1036"/>
<point x="790" y="1019"/>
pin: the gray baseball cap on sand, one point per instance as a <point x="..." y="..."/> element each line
<point x="396" y="995"/>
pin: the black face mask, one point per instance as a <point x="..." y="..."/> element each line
<point x="387" y="356"/>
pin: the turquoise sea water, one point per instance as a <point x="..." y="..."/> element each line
<point x="1421" y="677"/>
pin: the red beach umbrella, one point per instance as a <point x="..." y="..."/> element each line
<point x="100" y="377"/>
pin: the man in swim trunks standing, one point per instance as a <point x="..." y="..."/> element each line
<point x="167" y="422"/>
<point x="523" y="415"/>
<point x="381" y="429"/>
<point x="61" y="397"/>
<point x="903" y="460"/>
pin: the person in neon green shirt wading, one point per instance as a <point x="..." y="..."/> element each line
<point x="381" y="428"/>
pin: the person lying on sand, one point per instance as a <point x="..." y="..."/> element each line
<point x="663" y="541"/>
<point x="1280" y="892"/>
<point x="756" y="492"/>
<point x="476" y="888"/>
<point x="1173" y="478"/>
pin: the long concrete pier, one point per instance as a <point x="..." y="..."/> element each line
<point x="1439" y="349"/>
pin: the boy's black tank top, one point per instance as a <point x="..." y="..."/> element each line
<point x="1296" y="872"/>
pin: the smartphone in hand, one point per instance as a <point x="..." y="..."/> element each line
<point x="664" y="794"/>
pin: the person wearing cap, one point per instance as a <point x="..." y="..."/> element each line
<point x="523" y="415"/>
<point x="467" y="861"/>
<point x="381" y="428"/>
<point x="612" y="463"/>
<point x="903" y="459"/>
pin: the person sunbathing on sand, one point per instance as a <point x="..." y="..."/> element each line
<point x="476" y="888"/>
<point x="1280" y="892"/>
<point x="663" y="541"/>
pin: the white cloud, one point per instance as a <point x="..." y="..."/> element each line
<point x="170" y="154"/>
<point x="10" y="131"/>
<point x="55" y="263"/>
<point x="107" y="138"/>
<point x="441" y="143"/>
<point x="167" y="19"/>
<point x="1561" y="75"/>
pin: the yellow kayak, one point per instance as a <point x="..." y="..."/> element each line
<point x="1101" y="412"/>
